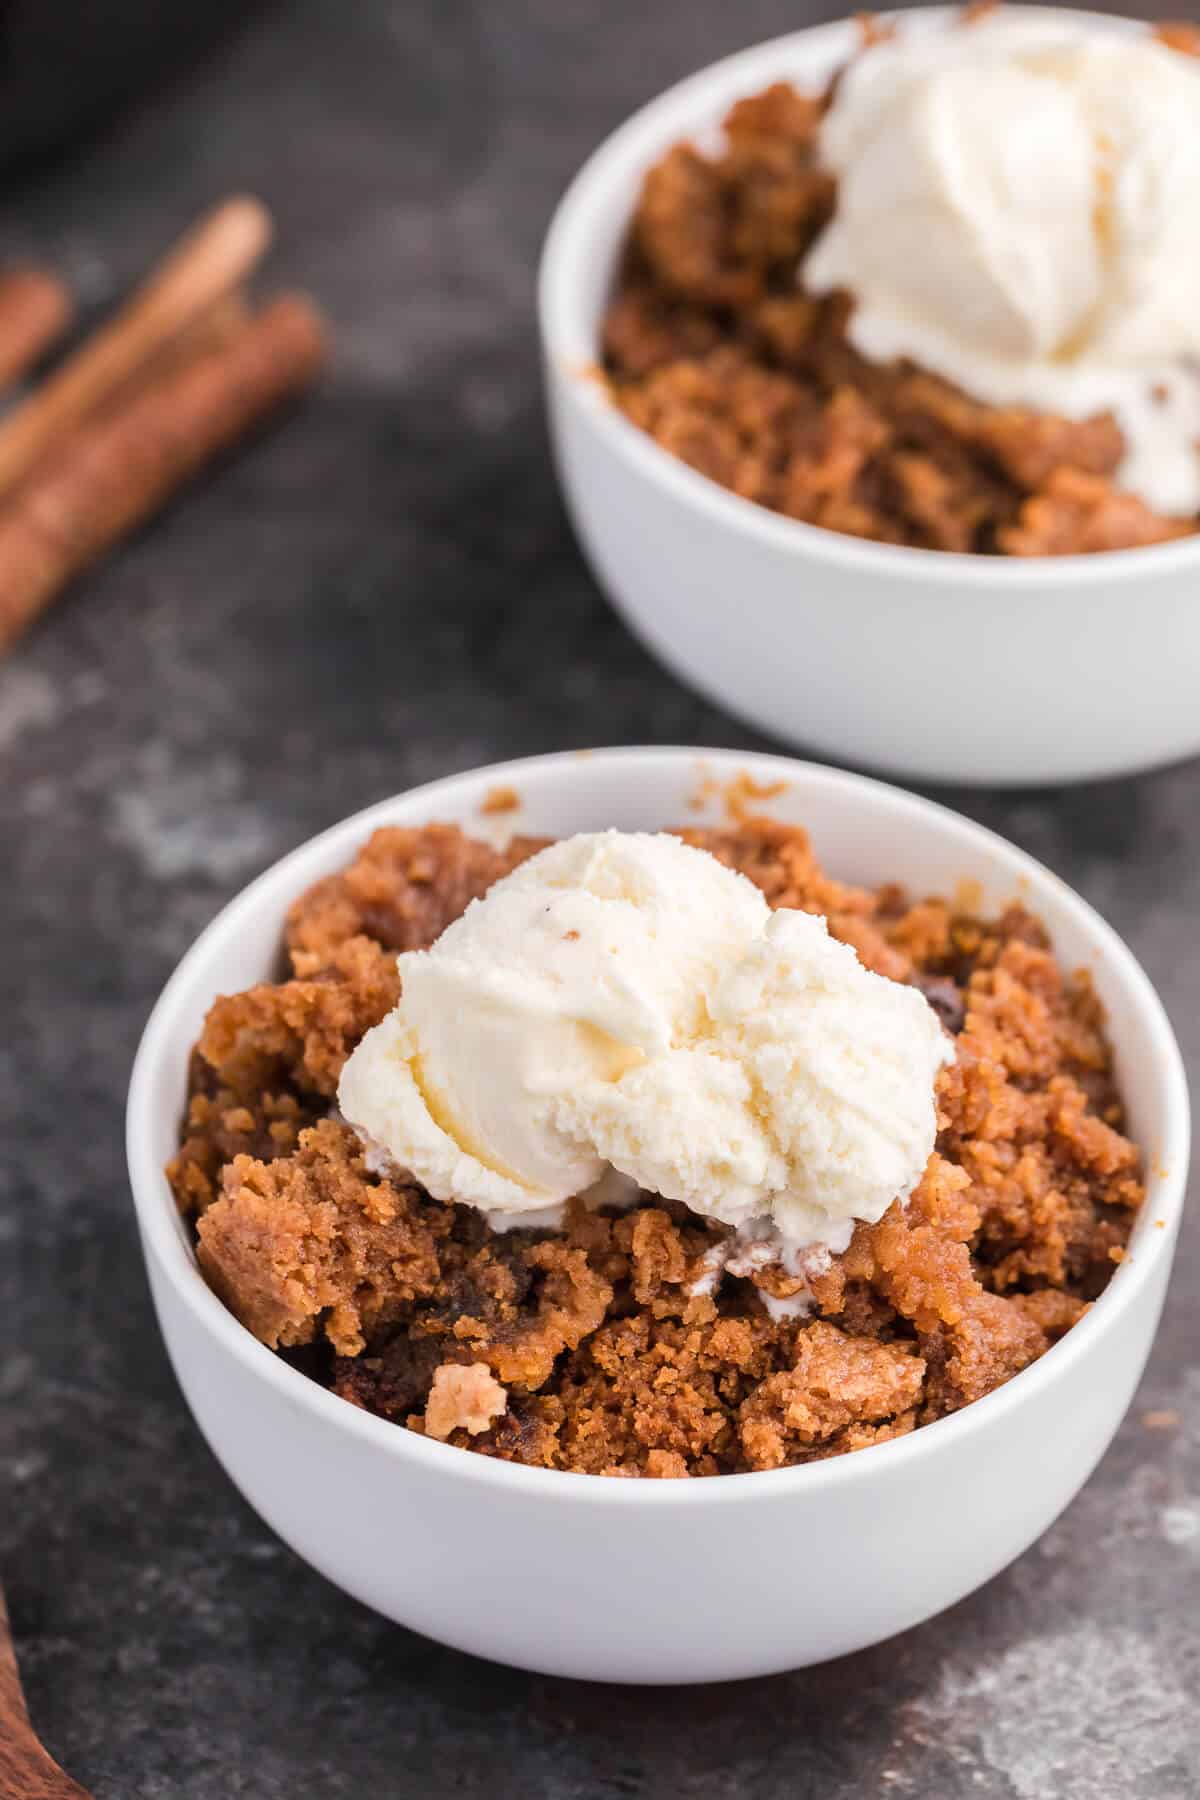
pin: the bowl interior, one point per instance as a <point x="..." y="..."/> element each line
<point x="864" y="831"/>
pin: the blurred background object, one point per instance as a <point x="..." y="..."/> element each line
<point x="66" y="68"/>
<point x="173" y="378"/>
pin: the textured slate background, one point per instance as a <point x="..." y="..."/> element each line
<point x="393" y="576"/>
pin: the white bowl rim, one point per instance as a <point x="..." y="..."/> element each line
<point x="1166" y="1175"/>
<point x="570" y="348"/>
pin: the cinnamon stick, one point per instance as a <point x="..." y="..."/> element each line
<point x="210" y="261"/>
<point x="35" y="309"/>
<point x="213" y="329"/>
<point x="118" y="470"/>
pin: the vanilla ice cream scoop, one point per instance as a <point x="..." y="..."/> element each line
<point x="1019" y="210"/>
<point x="624" y="1002"/>
<point x="806" y="1099"/>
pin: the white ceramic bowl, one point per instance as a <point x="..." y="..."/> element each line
<point x="948" y="667"/>
<point x="663" y="1581"/>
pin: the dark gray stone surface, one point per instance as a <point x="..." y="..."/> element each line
<point x="394" y="576"/>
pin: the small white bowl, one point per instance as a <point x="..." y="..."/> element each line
<point x="920" y="662"/>
<point x="663" y="1581"/>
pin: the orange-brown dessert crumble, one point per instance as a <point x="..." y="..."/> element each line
<point x="501" y="800"/>
<point x="595" y="1348"/>
<point x="712" y="348"/>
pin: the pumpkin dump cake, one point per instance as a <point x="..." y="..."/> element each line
<point x="676" y="1156"/>
<point x="951" y="302"/>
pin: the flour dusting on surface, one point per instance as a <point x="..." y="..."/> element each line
<point x="27" y="701"/>
<point x="188" y="819"/>
<point x="1181" y="1525"/>
<point x="1081" y="1714"/>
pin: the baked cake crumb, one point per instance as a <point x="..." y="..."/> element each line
<point x="463" y="1397"/>
<point x="500" y="800"/>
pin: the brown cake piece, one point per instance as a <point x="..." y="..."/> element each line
<point x="713" y="230"/>
<point x="300" y="1032"/>
<point x="402" y="890"/>
<point x="521" y="1338"/>
<point x="219" y="1125"/>
<point x="646" y="1394"/>
<point x="1031" y="447"/>
<point x="940" y="498"/>
<point x="835" y="1384"/>
<point x="645" y="327"/>
<point x="1075" y="514"/>
<point x="527" y="1432"/>
<point x="314" y="1241"/>
<point x="826" y="476"/>
<point x="392" y="1376"/>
